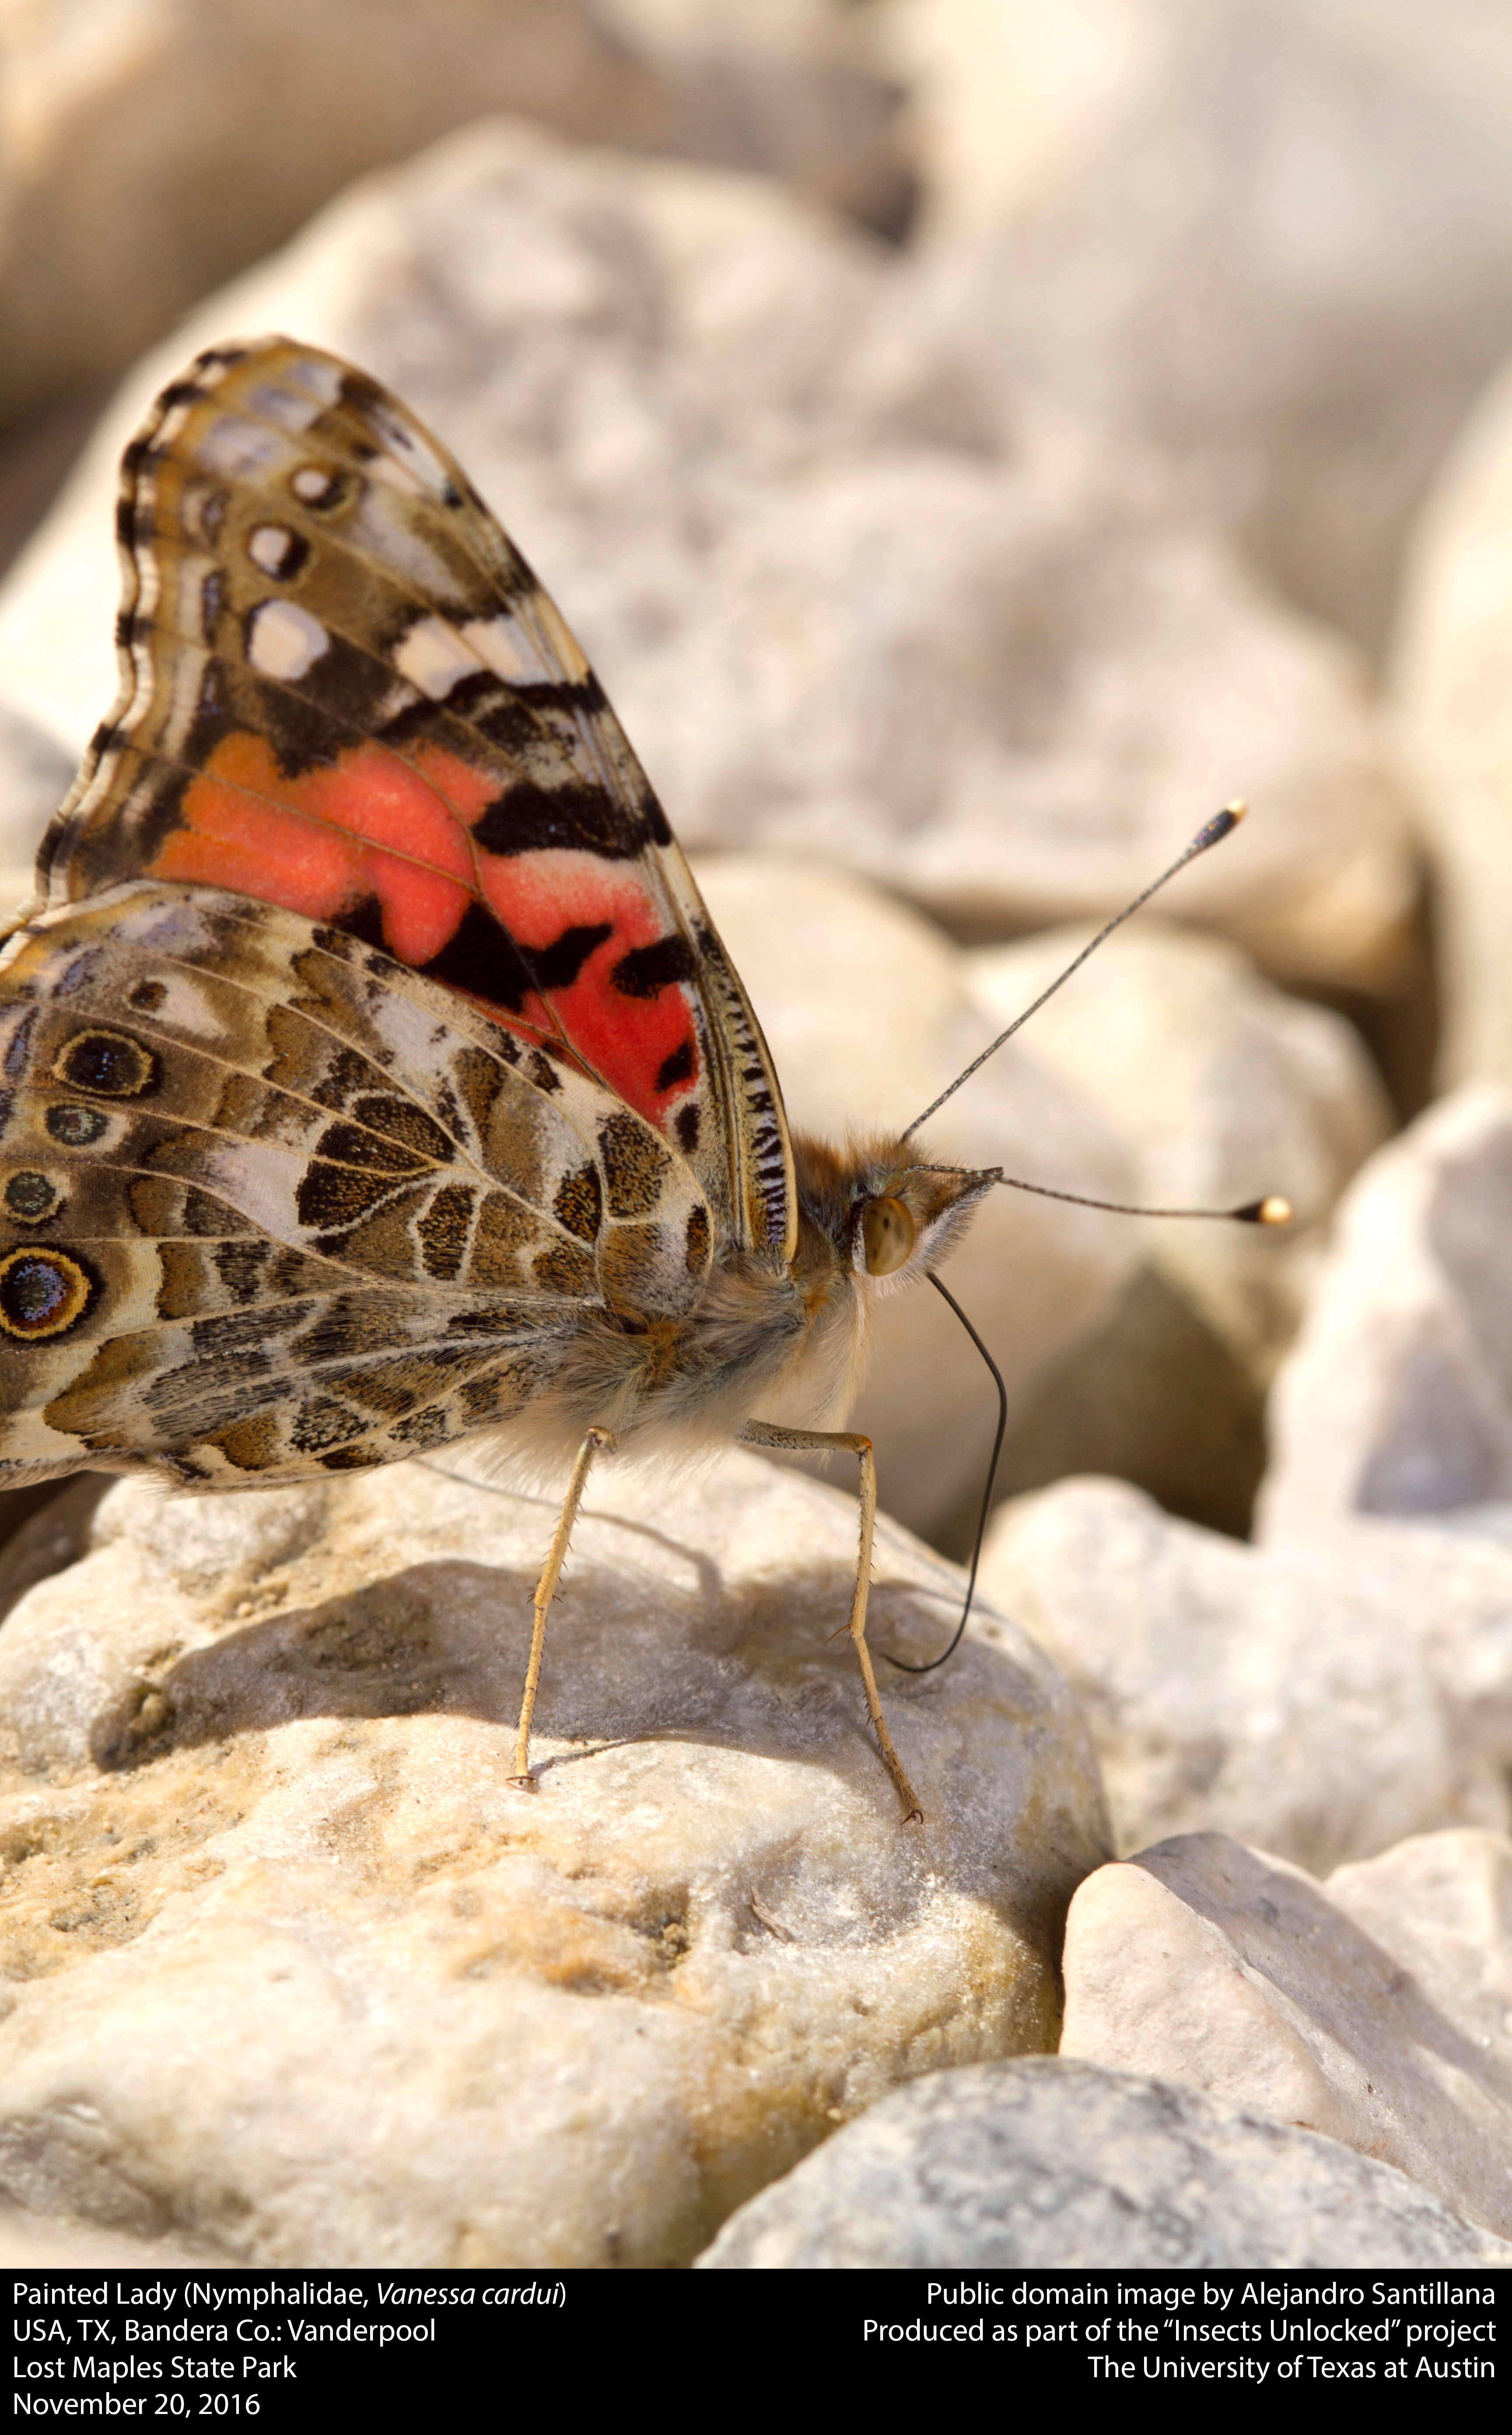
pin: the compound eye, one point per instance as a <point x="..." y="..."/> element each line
<point x="889" y="1235"/>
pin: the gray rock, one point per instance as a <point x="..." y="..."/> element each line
<point x="1045" y="2163"/>
<point x="801" y="92"/>
<point x="1441" y="1906"/>
<point x="1201" y="1961"/>
<point x="1220" y="1090"/>
<point x="1007" y="681"/>
<point x="1321" y="1700"/>
<point x="1277" y="241"/>
<point x="153" y="151"/>
<point x="1396" y="1400"/>
<point x="579" y="328"/>
<point x="294" y="1974"/>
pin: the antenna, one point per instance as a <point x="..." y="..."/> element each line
<point x="1272" y="1211"/>
<point x="902" y="1663"/>
<point x="1221" y="825"/>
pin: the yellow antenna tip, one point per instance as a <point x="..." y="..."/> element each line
<point x="1238" y="809"/>
<point x="1272" y="1211"/>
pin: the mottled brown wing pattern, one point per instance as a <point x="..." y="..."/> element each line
<point x="345" y="692"/>
<point x="273" y="1205"/>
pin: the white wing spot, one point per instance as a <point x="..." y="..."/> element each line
<point x="398" y="476"/>
<point x="560" y="638"/>
<point x="286" y="641"/>
<point x="239" y="450"/>
<point x="434" y="656"/>
<point x="268" y="546"/>
<point x="312" y="482"/>
<point x="507" y="649"/>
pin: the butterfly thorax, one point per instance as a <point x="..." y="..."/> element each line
<point x="768" y="1341"/>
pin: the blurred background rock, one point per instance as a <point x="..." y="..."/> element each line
<point x="972" y="441"/>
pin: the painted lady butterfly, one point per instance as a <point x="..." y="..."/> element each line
<point x="373" y="1072"/>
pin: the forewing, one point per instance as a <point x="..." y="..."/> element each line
<point x="272" y="1205"/>
<point x="344" y="693"/>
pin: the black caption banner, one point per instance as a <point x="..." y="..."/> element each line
<point x="284" y="2346"/>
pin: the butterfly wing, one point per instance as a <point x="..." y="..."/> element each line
<point x="345" y="693"/>
<point x="272" y="1205"/>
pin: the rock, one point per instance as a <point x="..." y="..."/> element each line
<point x="157" y="146"/>
<point x="1274" y="241"/>
<point x="1051" y="2163"/>
<point x="1322" y="1701"/>
<point x="797" y="92"/>
<point x="1202" y="1962"/>
<point x="31" y="2244"/>
<point x="575" y="326"/>
<point x="1454" y="648"/>
<point x="864" y="1008"/>
<point x="1153" y="1395"/>
<point x="1005" y="680"/>
<point x="1441" y="1906"/>
<point x="1219" y="1089"/>
<point x="294" y="1974"/>
<point x="1012" y="687"/>
<point x="1397" y="1398"/>
<point x="36" y="772"/>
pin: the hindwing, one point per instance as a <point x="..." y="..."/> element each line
<point x="272" y="1203"/>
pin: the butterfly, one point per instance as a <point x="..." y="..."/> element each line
<point x="373" y="1074"/>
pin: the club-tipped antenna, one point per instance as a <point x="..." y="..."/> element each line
<point x="902" y="1663"/>
<point x="1221" y="825"/>
<point x="1272" y="1211"/>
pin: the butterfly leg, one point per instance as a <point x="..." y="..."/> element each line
<point x="545" y="1591"/>
<point x="829" y="1441"/>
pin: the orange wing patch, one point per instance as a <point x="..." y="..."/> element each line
<point x="345" y="693"/>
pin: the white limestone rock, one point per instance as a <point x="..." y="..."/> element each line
<point x="1321" y="1700"/>
<point x="1045" y="2163"/>
<point x="1231" y="1972"/>
<point x="1003" y="679"/>
<point x="293" y="1975"/>
<point x="1396" y="1400"/>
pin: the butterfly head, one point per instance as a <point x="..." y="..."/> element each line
<point x="888" y="1215"/>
